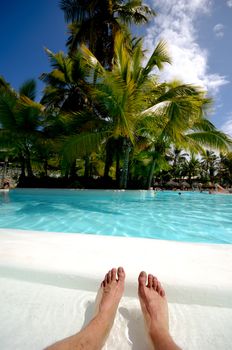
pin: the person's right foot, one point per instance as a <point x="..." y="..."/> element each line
<point x="153" y="303"/>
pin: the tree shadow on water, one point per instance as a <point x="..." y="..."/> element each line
<point x="40" y="208"/>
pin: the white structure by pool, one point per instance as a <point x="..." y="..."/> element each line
<point x="49" y="281"/>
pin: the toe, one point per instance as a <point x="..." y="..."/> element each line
<point x="150" y="281"/>
<point x="159" y="288"/>
<point x="103" y="284"/>
<point x="142" y="278"/>
<point x="121" y="274"/>
<point x="113" y="274"/>
<point x="108" y="277"/>
<point x="154" y="283"/>
<point x="162" y="292"/>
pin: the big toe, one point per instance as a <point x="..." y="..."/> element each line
<point x="142" y="279"/>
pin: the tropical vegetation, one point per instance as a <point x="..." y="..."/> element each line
<point x="105" y="119"/>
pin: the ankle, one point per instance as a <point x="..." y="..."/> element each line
<point x="162" y="339"/>
<point x="105" y="318"/>
<point x="158" y="331"/>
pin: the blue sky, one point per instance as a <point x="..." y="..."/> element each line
<point x="26" y="27"/>
<point x="198" y="34"/>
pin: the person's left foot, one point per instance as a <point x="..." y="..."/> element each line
<point x="94" y="335"/>
<point x="112" y="288"/>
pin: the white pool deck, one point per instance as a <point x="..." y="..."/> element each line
<point x="48" y="283"/>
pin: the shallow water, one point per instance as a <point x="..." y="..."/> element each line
<point x="189" y="217"/>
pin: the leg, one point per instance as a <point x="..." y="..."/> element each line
<point x="94" y="335"/>
<point x="155" y="311"/>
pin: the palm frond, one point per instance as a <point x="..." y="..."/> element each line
<point x="28" y="118"/>
<point x="175" y="90"/>
<point x="214" y="139"/>
<point x="158" y="58"/>
<point x="7" y="111"/>
<point x="134" y="11"/>
<point x="93" y="63"/>
<point x="28" y="89"/>
<point x="60" y="62"/>
<point x="74" y="10"/>
<point x="26" y="102"/>
<point x="7" y="139"/>
<point x="4" y="85"/>
<point x="81" y="145"/>
<point x="53" y="96"/>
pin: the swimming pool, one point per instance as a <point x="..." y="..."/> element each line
<point x="189" y="217"/>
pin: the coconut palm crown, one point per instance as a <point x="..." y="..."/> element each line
<point x="96" y="23"/>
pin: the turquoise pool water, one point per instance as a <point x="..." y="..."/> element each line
<point x="189" y="217"/>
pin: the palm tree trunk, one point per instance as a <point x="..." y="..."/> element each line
<point x="45" y="166"/>
<point x="22" y="174"/>
<point x="151" y="173"/>
<point x="66" y="174"/>
<point x="28" y="163"/>
<point x="126" y="153"/>
<point x="5" y="167"/>
<point x="118" y="168"/>
<point x="72" y="171"/>
<point x="211" y="174"/>
<point x="29" y="168"/>
<point x="87" y="168"/>
<point x="108" y="162"/>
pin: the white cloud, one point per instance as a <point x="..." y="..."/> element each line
<point x="219" y="30"/>
<point x="227" y="126"/>
<point x="176" y="23"/>
<point x="229" y="3"/>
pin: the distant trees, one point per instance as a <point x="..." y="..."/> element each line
<point x="192" y="168"/>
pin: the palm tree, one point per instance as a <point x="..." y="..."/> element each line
<point x="225" y="168"/>
<point x="192" y="167"/>
<point x="66" y="86"/>
<point x="133" y="104"/>
<point x="119" y="106"/>
<point x="69" y="107"/>
<point x="209" y="163"/>
<point x="20" y="120"/>
<point x="178" y="114"/>
<point x="121" y="93"/>
<point x="178" y="158"/>
<point x="97" y="22"/>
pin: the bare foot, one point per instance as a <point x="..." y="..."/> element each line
<point x="94" y="335"/>
<point x="111" y="291"/>
<point x="155" y="311"/>
<point x="153" y="301"/>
